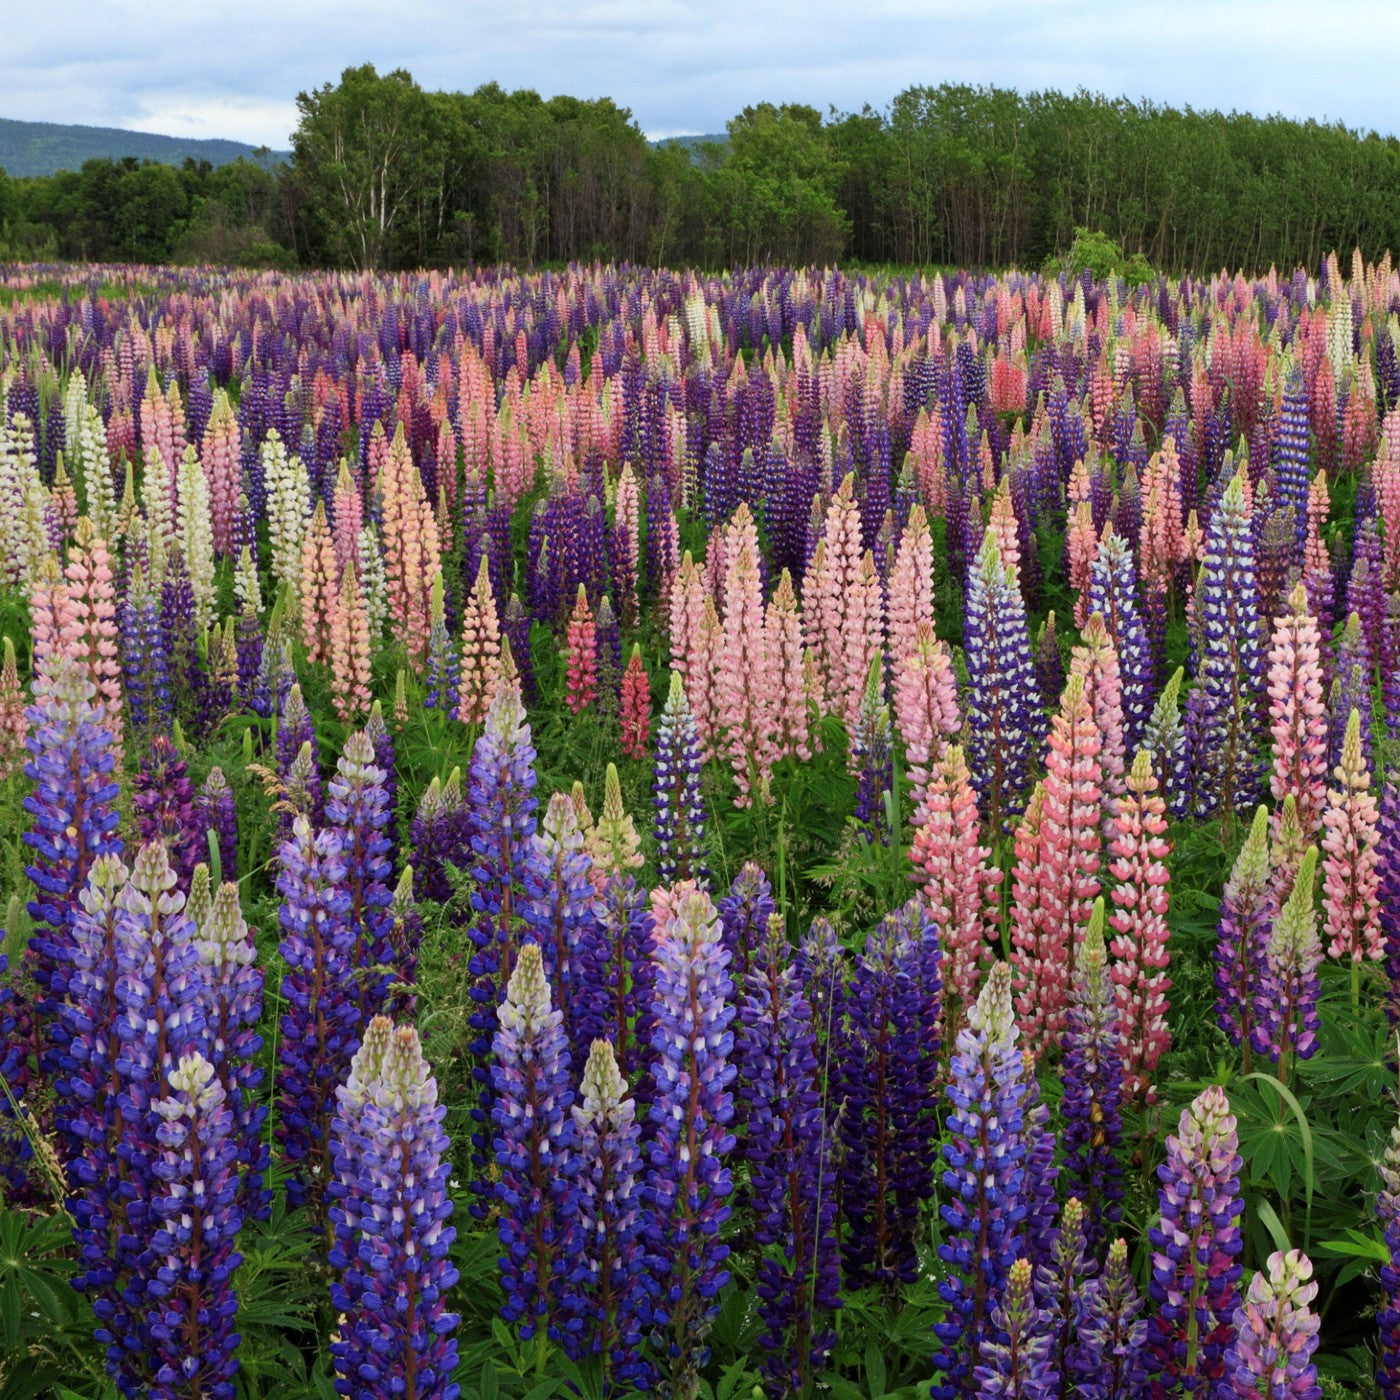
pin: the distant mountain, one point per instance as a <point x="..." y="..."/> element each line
<point x="693" y="143"/>
<point x="41" y="148"/>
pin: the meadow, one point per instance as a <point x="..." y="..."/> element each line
<point x="785" y="834"/>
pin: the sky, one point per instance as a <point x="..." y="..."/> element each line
<point x="209" y="69"/>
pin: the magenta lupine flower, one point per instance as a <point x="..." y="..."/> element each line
<point x="193" y="1306"/>
<point x="390" y="1216"/>
<point x="607" y="1141"/>
<point x="1196" y="1247"/>
<point x="1275" y="1334"/>
<point x="540" y="1269"/>
<point x="687" y="1180"/>
<point x="321" y="1020"/>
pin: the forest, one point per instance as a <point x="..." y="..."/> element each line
<point x="388" y="175"/>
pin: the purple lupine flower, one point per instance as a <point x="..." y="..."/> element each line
<point x="383" y="743"/>
<point x="177" y="621"/>
<point x="680" y="806"/>
<point x="791" y="1182"/>
<point x="443" y="678"/>
<point x="161" y="1017"/>
<point x="1165" y="738"/>
<point x="321" y="1020"/>
<point x="872" y="750"/>
<point x="1108" y="1360"/>
<point x="232" y="996"/>
<point x="744" y="914"/>
<point x="1285" y="1005"/>
<point x="145" y="660"/>
<point x="1351" y="690"/>
<point x="389" y="1216"/>
<point x="1247" y="910"/>
<point x="613" y="993"/>
<point x="536" y="1189"/>
<point x="196" y="1203"/>
<point x="1060" y="1279"/>
<point x="607" y="1143"/>
<point x="1365" y="594"/>
<point x="1290" y="456"/>
<point x="1049" y="663"/>
<point x="1388" y="871"/>
<point x="687" y="1180"/>
<point x="1005" y="723"/>
<point x="440" y="836"/>
<point x="217" y="813"/>
<point x="248" y="645"/>
<point x="559" y="914"/>
<point x="74" y="816"/>
<point x="1041" y="1173"/>
<point x="86" y="1080"/>
<point x="501" y="815"/>
<point x="1275" y="1334"/>
<point x="1113" y="594"/>
<point x="1388" y="1315"/>
<point x="986" y="1152"/>
<point x="163" y="801"/>
<point x="1092" y="1074"/>
<point x="515" y="629"/>
<point x="405" y="939"/>
<point x="886" y="1075"/>
<point x="1228" y="721"/>
<point x="295" y="730"/>
<point x="1017" y="1360"/>
<point x="357" y="807"/>
<point x="1196" y="1247"/>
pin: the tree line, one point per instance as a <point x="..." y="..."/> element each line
<point x="385" y="173"/>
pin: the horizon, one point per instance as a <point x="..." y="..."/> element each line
<point x="683" y="69"/>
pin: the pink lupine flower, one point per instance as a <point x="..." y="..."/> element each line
<point x="581" y="644"/>
<point x="1298" y="714"/>
<point x="480" y="661"/>
<point x="1350" y="876"/>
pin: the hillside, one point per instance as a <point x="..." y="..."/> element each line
<point x="41" y="148"/>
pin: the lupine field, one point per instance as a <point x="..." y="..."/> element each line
<point x="789" y="834"/>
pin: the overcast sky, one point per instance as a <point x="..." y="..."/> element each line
<point x="208" y="69"/>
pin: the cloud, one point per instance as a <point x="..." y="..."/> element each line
<point x="682" y="65"/>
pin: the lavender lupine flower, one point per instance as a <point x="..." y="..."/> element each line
<point x="501" y="813"/>
<point x="357" y="807"/>
<point x="1388" y="870"/>
<point x="1229" y="721"/>
<point x="744" y="914"/>
<point x="680" y="806"/>
<point x="232" y="997"/>
<point x="793" y="1192"/>
<point x="193" y="1306"/>
<point x="687" y="1180"/>
<point x="1113" y="594"/>
<point x="74" y="815"/>
<point x="215" y="809"/>
<point x="560" y="915"/>
<point x="161" y="1017"/>
<point x="1092" y="1073"/>
<point x="1247" y="911"/>
<point x="1285" y="1006"/>
<point x="1351" y="690"/>
<point x="1196" y="1247"/>
<point x="540" y="1266"/>
<point x="383" y="743"/>
<point x="886" y="1078"/>
<point x="321" y="1022"/>
<point x="607" y="1143"/>
<point x="390" y="1216"/>
<point x="294" y="730"/>
<point x="1017" y="1361"/>
<point x="1005" y="724"/>
<point x="405" y="939"/>
<point x="1275" y="1334"/>
<point x="1290" y="457"/>
<point x="163" y="800"/>
<point x="1388" y="1316"/>
<point x="986" y="1151"/>
<point x="1108" y="1360"/>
